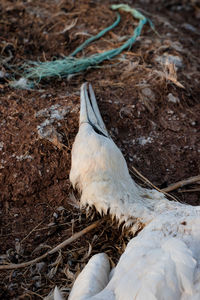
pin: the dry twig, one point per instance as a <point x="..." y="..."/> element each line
<point x="190" y="190"/>
<point x="55" y="249"/>
<point x="172" y="187"/>
<point x="171" y="74"/>
<point x="151" y="184"/>
<point x="182" y="183"/>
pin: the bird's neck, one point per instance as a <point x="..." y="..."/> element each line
<point x="124" y="200"/>
<point x="146" y="205"/>
<point x="140" y="206"/>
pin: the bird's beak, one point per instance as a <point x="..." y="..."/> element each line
<point x="89" y="112"/>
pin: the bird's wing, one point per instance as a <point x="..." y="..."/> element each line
<point x="161" y="263"/>
<point x="92" y="279"/>
<point x="156" y="265"/>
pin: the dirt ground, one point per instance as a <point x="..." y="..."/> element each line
<point x="149" y="99"/>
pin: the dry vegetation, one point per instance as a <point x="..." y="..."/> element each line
<point x="149" y="99"/>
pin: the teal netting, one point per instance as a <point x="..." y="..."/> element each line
<point x="70" y="64"/>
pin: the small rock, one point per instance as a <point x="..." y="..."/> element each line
<point x="172" y="98"/>
<point x="38" y="284"/>
<point x="23" y="157"/>
<point x="55" y="215"/>
<point x="60" y="208"/>
<point x="43" y="96"/>
<point x="51" y="224"/>
<point x="177" y="46"/>
<point x="47" y="131"/>
<point x="54" y="112"/>
<point x="148" y="93"/>
<point x="170" y="112"/>
<point x="143" y="140"/>
<point x="175" y="59"/>
<point x="193" y="123"/>
<point x="190" y="27"/>
<point x="22" y="83"/>
<point x="2" y="74"/>
<point x="1" y="145"/>
<point x="40" y="266"/>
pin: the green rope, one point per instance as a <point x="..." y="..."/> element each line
<point x="135" y="13"/>
<point x="71" y="65"/>
<point x="100" y="34"/>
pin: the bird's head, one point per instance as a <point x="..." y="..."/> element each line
<point x="89" y="112"/>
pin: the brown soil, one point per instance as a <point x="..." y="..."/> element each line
<point x="159" y="137"/>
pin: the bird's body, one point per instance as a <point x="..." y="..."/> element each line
<point x="163" y="261"/>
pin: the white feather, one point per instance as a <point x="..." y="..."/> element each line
<point x="89" y="283"/>
<point x="57" y="294"/>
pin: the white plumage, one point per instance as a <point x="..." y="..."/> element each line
<point x="163" y="261"/>
<point x="57" y="294"/>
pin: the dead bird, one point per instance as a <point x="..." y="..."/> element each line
<point x="163" y="260"/>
